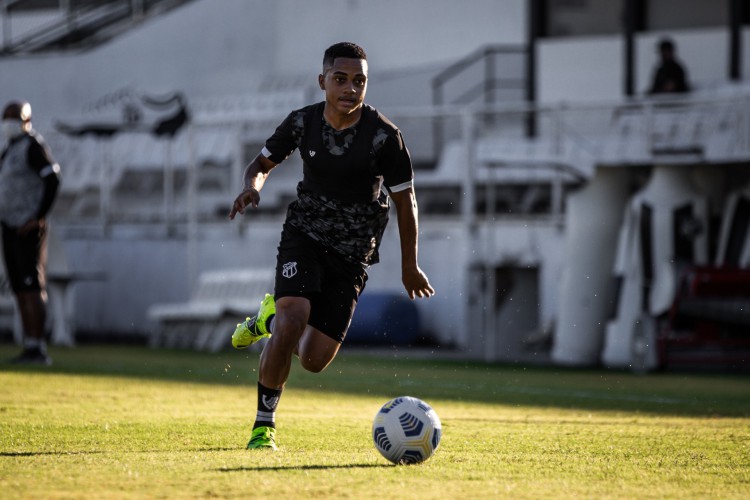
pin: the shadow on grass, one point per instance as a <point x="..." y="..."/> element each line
<point x="302" y="467"/>
<point x="387" y="376"/>
<point x="44" y="453"/>
<point x="17" y="454"/>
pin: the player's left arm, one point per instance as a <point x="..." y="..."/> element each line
<point x="40" y="160"/>
<point x="414" y="279"/>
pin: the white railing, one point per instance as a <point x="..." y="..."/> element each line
<point x="483" y="145"/>
<point x="35" y="30"/>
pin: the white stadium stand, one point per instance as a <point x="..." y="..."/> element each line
<point x="221" y="300"/>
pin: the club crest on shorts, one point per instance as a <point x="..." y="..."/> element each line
<point x="289" y="269"/>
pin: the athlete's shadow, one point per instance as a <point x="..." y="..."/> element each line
<point x="42" y="453"/>
<point x="301" y="467"/>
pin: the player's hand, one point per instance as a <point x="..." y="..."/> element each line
<point x="416" y="283"/>
<point x="247" y="198"/>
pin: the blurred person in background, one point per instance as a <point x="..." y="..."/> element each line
<point x="670" y="76"/>
<point x="29" y="181"/>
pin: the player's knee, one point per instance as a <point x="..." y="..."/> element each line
<point x="289" y="326"/>
<point x="313" y="365"/>
<point x="313" y="360"/>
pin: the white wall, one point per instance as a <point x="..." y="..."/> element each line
<point x="137" y="267"/>
<point x="220" y="47"/>
<point x="579" y="69"/>
<point x="225" y="47"/>
<point x="591" y="68"/>
<point x="201" y="47"/>
<point x="394" y="33"/>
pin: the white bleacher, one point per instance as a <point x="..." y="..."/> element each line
<point x="129" y="168"/>
<point x="139" y="167"/>
<point x="268" y="104"/>
<point x="517" y="161"/>
<point x="206" y="321"/>
<point x="571" y="142"/>
<point x="710" y="130"/>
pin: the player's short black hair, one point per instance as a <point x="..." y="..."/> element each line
<point x="343" y="49"/>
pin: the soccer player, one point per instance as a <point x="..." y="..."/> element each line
<point x="355" y="160"/>
<point x="29" y="181"/>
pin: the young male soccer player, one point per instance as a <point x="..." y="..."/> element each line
<point x="354" y="161"/>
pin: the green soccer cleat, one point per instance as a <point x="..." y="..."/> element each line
<point x="253" y="329"/>
<point x="262" y="437"/>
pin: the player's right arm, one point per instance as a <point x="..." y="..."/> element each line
<point x="253" y="179"/>
<point x="279" y="146"/>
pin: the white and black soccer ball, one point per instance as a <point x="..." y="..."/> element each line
<point x="406" y="430"/>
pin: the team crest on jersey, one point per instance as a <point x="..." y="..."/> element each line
<point x="312" y="153"/>
<point x="289" y="269"/>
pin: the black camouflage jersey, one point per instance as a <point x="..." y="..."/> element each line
<point x="341" y="200"/>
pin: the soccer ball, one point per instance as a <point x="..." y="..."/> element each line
<point x="406" y="430"/>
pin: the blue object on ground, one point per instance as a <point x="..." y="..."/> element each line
<point x="384" y="318"/>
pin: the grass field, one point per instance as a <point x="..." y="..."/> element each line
<point x="129" y="422"/>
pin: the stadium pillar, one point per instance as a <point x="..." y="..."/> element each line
<point x="629" y="19"/>
<point x="634" y="20"/>
<point x="535" y="29"/>
<point x="737" y="14"/>
<point x="6" y="24"/>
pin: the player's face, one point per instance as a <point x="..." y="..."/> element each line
<point x="345" y="84"/>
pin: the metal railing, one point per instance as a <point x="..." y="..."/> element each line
<point x="79" y="24"/>
<point x="494" y="60"/>
<point x="572" y="142"/>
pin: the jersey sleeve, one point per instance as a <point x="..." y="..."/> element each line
<point x="285" y="139"/>
<point x="395" y="163"/>
<point x="40" y="160"/>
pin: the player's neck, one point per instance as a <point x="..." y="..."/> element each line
<point x="340" y="121"/>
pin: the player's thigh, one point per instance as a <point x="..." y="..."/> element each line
<point x="292" y="314"/>
<point x="298" y="267"/>
<point x="25" y="258"/>
<point x="332" y="309"/>
<point x="316" y="349"/>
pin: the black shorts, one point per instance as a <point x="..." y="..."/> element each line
<point x="332" y="284"/>
<point x="25" y="258"/>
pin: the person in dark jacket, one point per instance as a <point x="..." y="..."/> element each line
<point x="670" y="76"/>
<point x="29" y="181"/>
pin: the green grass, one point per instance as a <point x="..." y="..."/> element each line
<point x="128" y="422"/>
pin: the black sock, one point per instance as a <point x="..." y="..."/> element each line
<point x="268" y="400"/>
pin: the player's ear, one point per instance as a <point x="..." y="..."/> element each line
<point x="322" y="82"/>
